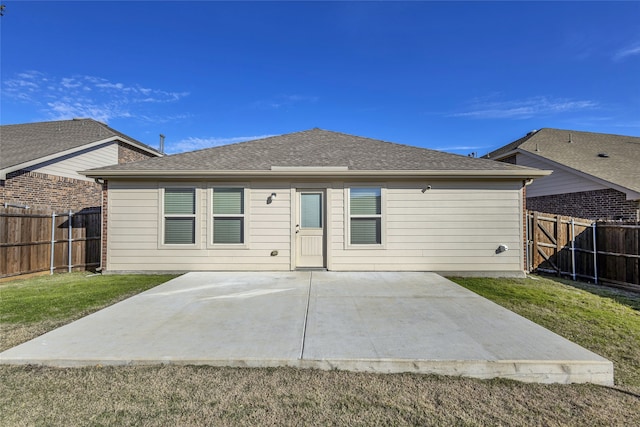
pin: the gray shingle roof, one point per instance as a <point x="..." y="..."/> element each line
<point x="581" y="151"/>
<point x="22" y="143"/>
<point x="314" y="148"/>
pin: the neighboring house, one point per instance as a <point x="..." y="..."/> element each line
<point x="315" y="199"/>
<point x="39" y="162"/>
<point x="595" y="175"/>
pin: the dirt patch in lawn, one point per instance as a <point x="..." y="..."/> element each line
<point x="188" y="395"/>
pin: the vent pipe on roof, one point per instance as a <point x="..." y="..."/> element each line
<point x="570" y="138"/>
<point x="162" y="143"/>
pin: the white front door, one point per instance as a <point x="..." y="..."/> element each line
<point x="310" y="219"/>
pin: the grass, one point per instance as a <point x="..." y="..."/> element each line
<point x="31" y="307"/>
<point x="601" y="319"/>
<point x="195" y="396"/>
<point x="202" y="395"/>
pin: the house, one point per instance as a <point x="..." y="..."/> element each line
<point x="39" y="162"/>
<point x="595" y="175"/>
<point x="315" y="199"/>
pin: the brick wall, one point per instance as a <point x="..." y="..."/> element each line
<point x="599" y="204"/>
<point x="105" y="215"/>
<point x="60" y="194"/>
<point x="49" y="192"/>
<point x="128" y="154"/>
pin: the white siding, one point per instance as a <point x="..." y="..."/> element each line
<point x="68" y="166"/>
<point x="134" y="225"/>
<point x="454" y="226"/>
<point x="559" y="182"/>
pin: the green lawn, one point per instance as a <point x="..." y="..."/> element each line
<point x="601" y="319"/>
<point x="65" y="296"/>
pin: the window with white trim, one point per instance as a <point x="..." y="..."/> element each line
<point x="228" y="216"/>
<point x="179" y="216"/>
<point x="365" y="216"/>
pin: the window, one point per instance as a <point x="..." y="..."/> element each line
<point x="311" y="210"/>
<point x="179" y="216"/>
<point x="228" y="215"/>
<point x="365" y="215"/>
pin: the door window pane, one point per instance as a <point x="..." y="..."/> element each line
<point x="311" y="210"/>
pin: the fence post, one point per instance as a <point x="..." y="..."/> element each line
<point x="53" y="242"/>
<point x="534" y="230"/>
<point x="573" y="249"/>
<point x="70" y="244"/>
<point x="595" y="254"/>
<point x="556" y="235"/>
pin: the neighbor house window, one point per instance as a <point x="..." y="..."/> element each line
<point x="179" y="216"/>
<point x="365" y="215"/>
<point x="228" y="215"/>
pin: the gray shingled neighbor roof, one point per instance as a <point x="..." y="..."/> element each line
<point x="23" y="143"/>
<point x="613" y="158"/>
<point x="313" y="148"/>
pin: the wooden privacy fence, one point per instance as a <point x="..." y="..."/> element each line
<point x="581" y="248"/>
<point x="31" y="242"/>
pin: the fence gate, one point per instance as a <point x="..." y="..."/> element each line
<point x="561" y="245"/>
<point x="584" y="249"/>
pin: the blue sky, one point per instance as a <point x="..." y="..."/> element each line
<point x="456" y="76"/>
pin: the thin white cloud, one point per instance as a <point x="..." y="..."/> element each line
<point x="281" y="101"/>
<point x="525" y="108"/>
<point x="627" y="51"/>
<point x="67" y="97"/>
<point x="193" y="143"/>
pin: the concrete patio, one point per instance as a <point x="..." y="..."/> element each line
<point x="380" y="322"/>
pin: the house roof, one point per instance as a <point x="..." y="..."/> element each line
<point x="26" y="143"/>
<point x="313" y="151"/>
<point x="612" y="158"/>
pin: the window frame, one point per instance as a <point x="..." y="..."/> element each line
<point x="382" y="216"/>
<point x="162" y="217"/>
<point x="211" y="216"/>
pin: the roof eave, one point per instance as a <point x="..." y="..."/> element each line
<point x="203" y="174"/>
<point x="19" y="166"/>
<point x="503" y="155"/>
<point x="631" y="194"/>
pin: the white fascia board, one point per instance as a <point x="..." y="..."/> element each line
<point x="630" y="194"/>
<point x="5" y="171"/>
<point x="203" y="174"/>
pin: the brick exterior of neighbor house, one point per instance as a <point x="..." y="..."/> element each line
<point x="607" y="204"/>
<point x="129" y="154"/>
<point x="49" y="192"/>
<point x="60" y="194"/>
<point x="596" y="175"/>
